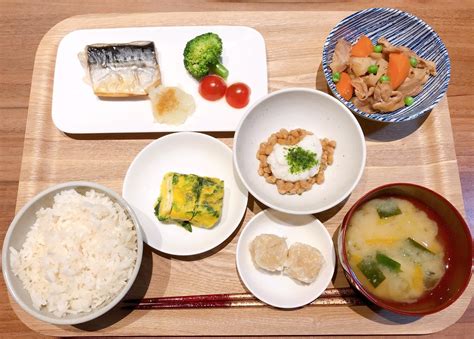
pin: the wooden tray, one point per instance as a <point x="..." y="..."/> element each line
<point x="420" y="151"/>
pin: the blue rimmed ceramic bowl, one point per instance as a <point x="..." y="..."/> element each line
<point x="399" y="28"/>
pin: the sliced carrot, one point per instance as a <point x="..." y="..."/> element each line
<point x="362" y="48"/>
<point x="344" y="86"/>
<point x="398" y="69"/>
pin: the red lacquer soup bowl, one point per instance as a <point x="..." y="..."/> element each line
<point x="453" y="233"/>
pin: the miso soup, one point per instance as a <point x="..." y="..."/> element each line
<point x="394" y="249"/>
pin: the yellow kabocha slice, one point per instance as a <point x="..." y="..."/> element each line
<point x="165" y="201"/>
<point x="209" y="205"/>
<point x="185" y="192"/>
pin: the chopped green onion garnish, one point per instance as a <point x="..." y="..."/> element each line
<point x="300" y="159"/>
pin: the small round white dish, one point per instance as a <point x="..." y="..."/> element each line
<point x="277" y="289"/>
<point x="187" y="153"/>
<point x="314" y="111"/>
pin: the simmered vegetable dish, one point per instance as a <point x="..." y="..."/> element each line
<point x="380" y="78"/>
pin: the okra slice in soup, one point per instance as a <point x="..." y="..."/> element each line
<point x="388" y="208"/>
<point x="419" y="246"/>
<point x="388" y="262"/>
<point x="372" y="272"/>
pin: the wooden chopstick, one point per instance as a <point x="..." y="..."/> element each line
<point x="193" y="298"/>
<point x="349" y="301"/>
<point x="333" y="296"/>
<point x="330" y="292"/>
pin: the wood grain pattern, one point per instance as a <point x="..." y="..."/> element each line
<point x="23" y="24"/>
<point x="424" y="149"/>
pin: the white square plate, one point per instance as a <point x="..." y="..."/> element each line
<point x="76" y="109"/>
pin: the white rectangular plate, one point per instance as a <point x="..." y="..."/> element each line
<point x="75" y="108"/>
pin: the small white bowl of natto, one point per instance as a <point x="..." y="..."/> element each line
<point x="299" y="151"/>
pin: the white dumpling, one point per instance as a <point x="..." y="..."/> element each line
<point x="304" y="262"/>
<point x="269" y="252"/>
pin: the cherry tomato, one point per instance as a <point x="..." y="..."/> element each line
<point x="238" y="95"/>
<point x="212" y="87"/>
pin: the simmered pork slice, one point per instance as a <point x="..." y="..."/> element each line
<point x="340" y="58"/>
<point x="389" y="48"/>
<point x="413" y="84"/>
<point x="392" y="104"/>
<point x="364" y="105"/>
<point x="410" y="87"/>
<point x="362" y="92"/>
<point x="387" y="100"/>
<point x="382" y="92"/>
<point x="421" y="74"/>
<point x="430" y="66"/>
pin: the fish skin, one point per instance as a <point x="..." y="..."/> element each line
<point x="125" y="69"/>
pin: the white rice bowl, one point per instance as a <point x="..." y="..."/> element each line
<point x="79" y="255"/>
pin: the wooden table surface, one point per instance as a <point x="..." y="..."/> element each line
<point x="23" y="23"/>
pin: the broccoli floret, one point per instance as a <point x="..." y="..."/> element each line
<point x="202" y="54"/>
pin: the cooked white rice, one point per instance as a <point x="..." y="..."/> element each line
<point x="78" y="255"/>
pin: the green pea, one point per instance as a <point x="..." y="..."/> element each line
<point x="378" y="48"/>
<point x="413" y="62"/>
<point x="409" y="101"/>
<point x="336" y="77"/>
<point x="373" y="69"/>
<point x="384" y="78"/>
